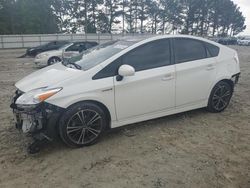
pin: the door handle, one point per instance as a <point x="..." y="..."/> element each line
<point x="167" y="77"/>
<point x="210" y="67"/>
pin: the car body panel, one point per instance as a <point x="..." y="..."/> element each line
<point x="48" y="76"/>
<point x="131" y="100"/>
<point x="200" y="74"/>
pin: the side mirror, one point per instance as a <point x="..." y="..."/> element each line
<point x="125" y="70"/>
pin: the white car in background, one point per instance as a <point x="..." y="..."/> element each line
<point x="245" y="41"/>
<point x="123" y="82"/>
<point x="66" y="51"/>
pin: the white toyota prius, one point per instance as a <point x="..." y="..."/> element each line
<point x="123" y="82"/>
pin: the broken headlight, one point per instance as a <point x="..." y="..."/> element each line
<point x="36" y="96"/>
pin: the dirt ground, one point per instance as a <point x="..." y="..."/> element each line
<point x="192" y="149"/>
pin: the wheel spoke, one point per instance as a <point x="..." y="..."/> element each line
<point x="80" y="117"/>
<point x="223" y="102"/>
<point x="227" y="93"/>
<point x="81" y="137"/>
<point x="94" y="132"/>
<point x="217" y="105"/>
<point x="215" y="97"/>
<point x="221" y="90"/>
<point x="93" y="119"/>
<point x="73" y="129"/>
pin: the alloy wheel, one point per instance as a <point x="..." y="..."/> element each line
<point x="221" y="97"/>
<point x="54" y="60"/>
<point x="84" y="126"/>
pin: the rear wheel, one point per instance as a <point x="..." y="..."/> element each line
<point x="82" y="124"/>
<point x="53" y="60"/>
<point x="220" y="97"/>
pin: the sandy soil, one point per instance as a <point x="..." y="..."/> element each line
<point x="192" y="149"/>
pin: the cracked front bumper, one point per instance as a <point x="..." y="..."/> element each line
<point x="39" y="121"/>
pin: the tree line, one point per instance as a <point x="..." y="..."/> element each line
<point x="196" y="17"/>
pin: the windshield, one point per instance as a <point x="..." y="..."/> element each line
<point x="96" y="55"/>
<point x="64" y="46"/>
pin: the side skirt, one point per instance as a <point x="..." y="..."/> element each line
<point x="145" y="117"/>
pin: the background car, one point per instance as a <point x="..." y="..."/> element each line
<point x="77" y="48"/>
<point x="54" y="45"/>
<point x="244" y="41"/>
<point x="227" y="40"/>
<point x="66" y="51"/>
<point x="123" y="82"/>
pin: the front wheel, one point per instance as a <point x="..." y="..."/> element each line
<point x="220" y="97"/>
<point x="82" y="124"/>
<point x="53" y="60"/>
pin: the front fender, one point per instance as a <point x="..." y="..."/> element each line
<point x="105" y="98"/>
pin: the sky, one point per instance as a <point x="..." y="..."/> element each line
<point x="245" y="8"/>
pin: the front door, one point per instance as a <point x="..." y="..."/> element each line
<point x="152" y="88"/>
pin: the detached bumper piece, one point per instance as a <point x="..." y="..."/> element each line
<point x="38" y="121"/>
<point x="235" y="78"/>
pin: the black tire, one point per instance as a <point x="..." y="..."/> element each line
<point x="74" y="126"/>
<point x="220" y="97"/>
<point x="53" y="60"/>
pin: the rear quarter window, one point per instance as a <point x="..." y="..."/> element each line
<point x="212" y="49"/>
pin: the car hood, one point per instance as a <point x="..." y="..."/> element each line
<point x="47" y="77"/>
<point x="52" y="52"/>
<point x="37" y="47"/>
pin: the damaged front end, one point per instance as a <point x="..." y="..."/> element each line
<point x="35" y="117"/>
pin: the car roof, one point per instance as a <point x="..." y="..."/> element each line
<point x="145" y="38"/>
<point x="138" y="38"/>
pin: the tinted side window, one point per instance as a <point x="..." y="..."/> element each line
<point x="90" y="45"/>
<point x="76" y="47"/>
<point x="151" y="55"/>
<point x="110" y="70"/>
<point x="189" y="50"/>
<point x="212" y="49"/>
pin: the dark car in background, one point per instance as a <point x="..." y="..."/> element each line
<point x="228" y="40"/>
<point x="54" y="45"/>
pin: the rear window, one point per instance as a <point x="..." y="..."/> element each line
<point x="213" y="50"/>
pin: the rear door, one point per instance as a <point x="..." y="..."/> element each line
<point x="195" y="71"/>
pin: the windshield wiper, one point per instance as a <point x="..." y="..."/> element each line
<point x="75" y="65"/>
<point x="65" y="63"/>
